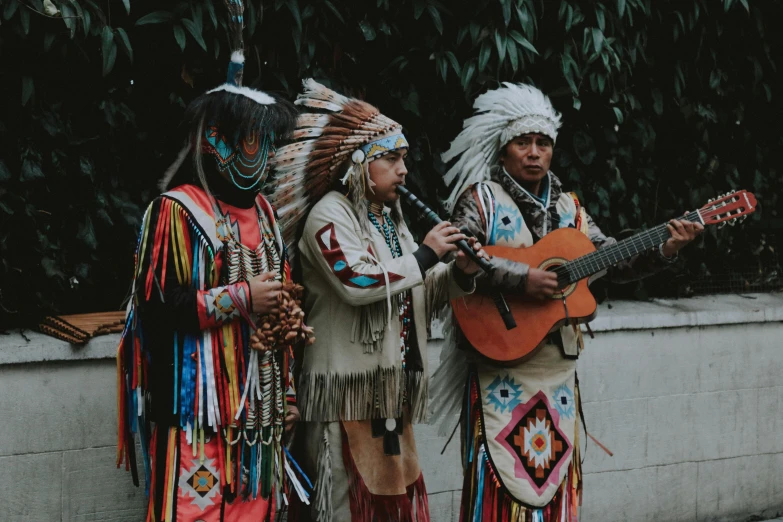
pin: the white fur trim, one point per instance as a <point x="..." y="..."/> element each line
<point x="259" y="97"/>
<point x="238" y="57"/>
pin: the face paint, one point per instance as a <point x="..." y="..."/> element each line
<point x="243" y="161"/>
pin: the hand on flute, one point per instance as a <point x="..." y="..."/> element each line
<point x="467" y="265"/>
<point x="442" y="237"/>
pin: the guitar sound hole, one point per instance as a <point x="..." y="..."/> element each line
<point x="565" y="286"/>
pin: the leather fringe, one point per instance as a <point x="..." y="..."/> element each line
<point x="412" y="506"/>
<point x="323" y="495"/>
<point x="350" y="397"/>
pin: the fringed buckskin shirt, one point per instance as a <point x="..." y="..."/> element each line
<point x="353" y="371"/>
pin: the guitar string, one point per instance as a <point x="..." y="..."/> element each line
<point x="596" y="261"/>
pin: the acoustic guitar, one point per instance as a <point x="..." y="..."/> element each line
<point x="572" y="256"/>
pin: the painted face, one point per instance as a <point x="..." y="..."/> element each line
<point x="387" y="172"/>
<point x="527" y="158"/>
<point x="243" y="161"/>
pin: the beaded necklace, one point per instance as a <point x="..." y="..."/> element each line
<point x="243" y="264"/>
<point x="389" y="233"/>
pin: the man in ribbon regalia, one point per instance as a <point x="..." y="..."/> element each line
<point x="520" y="423"/>
<point x="209" y="410"/>
<point x="370" y="291"/>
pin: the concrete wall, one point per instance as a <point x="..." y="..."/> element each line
<point x="687" y="394"/>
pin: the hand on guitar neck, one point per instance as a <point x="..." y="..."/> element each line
<point x="683" y="232"/>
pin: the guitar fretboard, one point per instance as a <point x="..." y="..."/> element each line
<point x="603" y="258"/>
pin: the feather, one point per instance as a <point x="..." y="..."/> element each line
<point x="163" y="184"/>
<point x="323" y="140"/>
<point x="500" y="115"/>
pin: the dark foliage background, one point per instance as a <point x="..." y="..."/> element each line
<point x="665" y="104"/>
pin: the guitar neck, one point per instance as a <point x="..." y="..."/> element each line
<point x="606" y="257"/>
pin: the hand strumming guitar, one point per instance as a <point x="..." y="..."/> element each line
<point x="541" y="284"/>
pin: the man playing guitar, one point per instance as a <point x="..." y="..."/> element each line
<point x="520" y="422"/>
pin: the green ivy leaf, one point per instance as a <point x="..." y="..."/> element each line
<point x="511" y="49"/>
<point x="70" y="18"/>
<point x="657" y="101"/>
<point x="618" y="114"/>
<point x="367" y="30"/>
<point x="621" y="7"/>
<point x="584" y="147"/>
<point x="334" y="10"/>
<point x="598" y="39"/>
<point x="435" y="15"/>
<point x="126" y="3"/>
<point x="31" y="170"/>
<point x="126" y="45"/>
<point x="500" y="43"/>
<point x="577" y="103"/>
<point x="108" y="50"/>
<point x="211" y="13"/>
<point x="293" y="6"/>
<point x="10" y="8"/>
<point x="180" y="37"/>
<point x="86" y="167"/>
<point x="194" y="32"/>
<point x="454" y="62"/>
<point x="156" y="17"/>
<point x="86" y="233"/>
<point x="24" y="16"/>
<point x="524" y="42"/>
<point x="467" y="75"/>
<point x="418" y="8"/>
<point x="484" y="54"/>
<point x="506" y="4"/>
<point x="28" y="89"/>
<point x="5" y="174"/>
<point x="86" y="22"/>
<point x="50" y="268"/>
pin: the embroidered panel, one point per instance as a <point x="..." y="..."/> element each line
<point x="334" y="255"/>
<point x="201" y="482"/>
<point x="529" y="420"/>
<point x="508" y="224"/>
<point x="563" y="400"/>
<point x="536" y="443"/>
<point x="503" y="394"/>
<point x="217" y="305"/>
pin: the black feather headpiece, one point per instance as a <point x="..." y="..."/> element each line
<point x="236" y="109"/>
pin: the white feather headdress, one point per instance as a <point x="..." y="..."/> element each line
<point x="501" y="115"/>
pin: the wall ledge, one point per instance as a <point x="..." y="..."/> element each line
<point x="15" y="349"/>
<point x="711" y="310"/>
<point x="612" y="316"/>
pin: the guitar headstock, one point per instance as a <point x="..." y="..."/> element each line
<point x="728" y="209"/>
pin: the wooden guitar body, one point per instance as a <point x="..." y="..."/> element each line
<point x="481" y="324"/>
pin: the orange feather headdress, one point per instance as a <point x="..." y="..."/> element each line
<point x="343" y="131"/>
